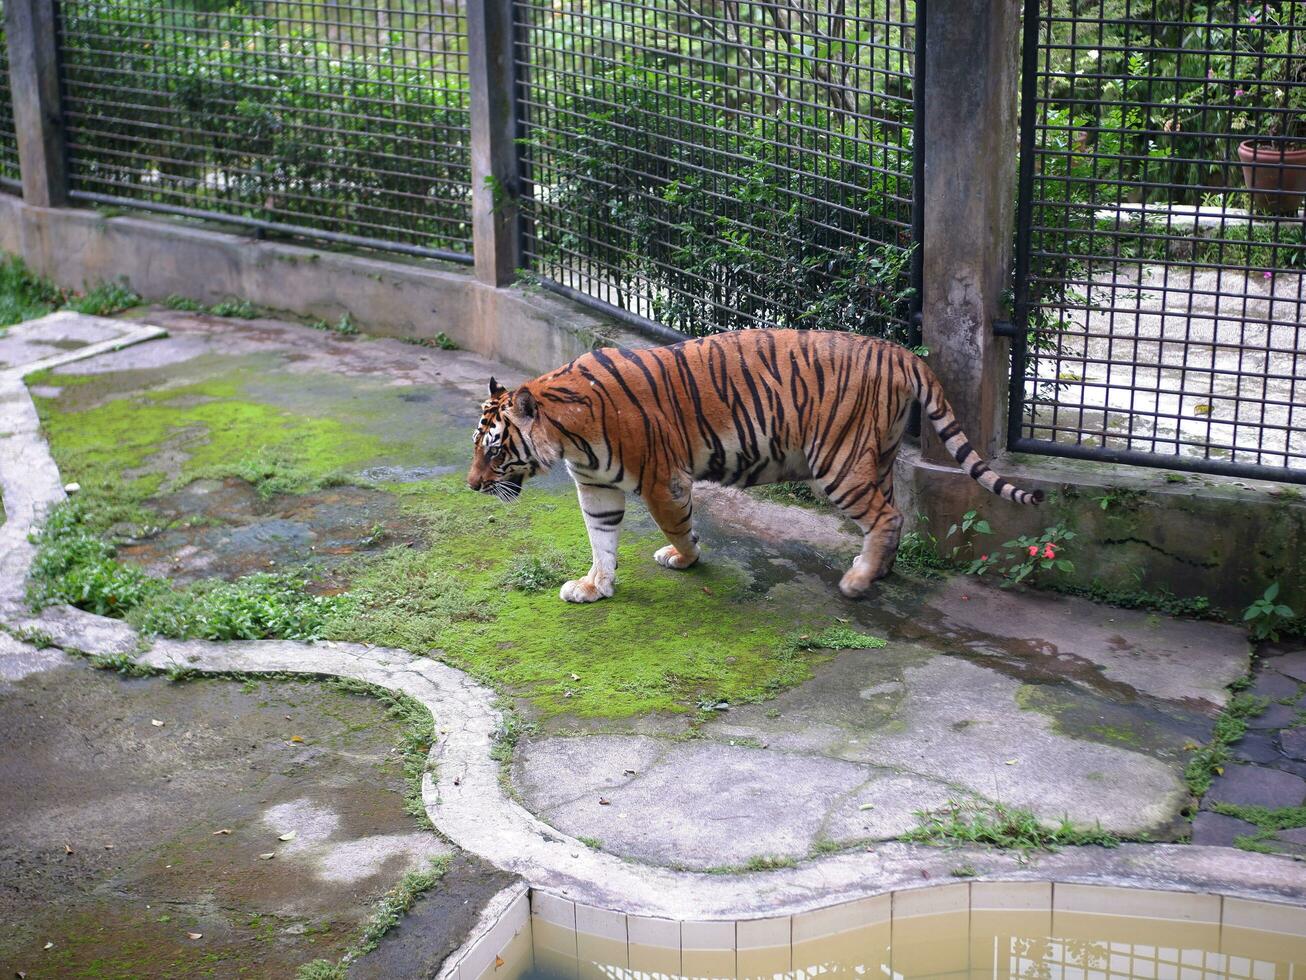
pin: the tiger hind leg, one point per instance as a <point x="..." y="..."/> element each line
<point x="672" y="507"/>
<point x="859" y="497"/>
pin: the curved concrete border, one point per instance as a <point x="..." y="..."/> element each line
<point x="468" y="803"/>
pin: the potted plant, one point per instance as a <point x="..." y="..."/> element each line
<point x="1274" y="163"/>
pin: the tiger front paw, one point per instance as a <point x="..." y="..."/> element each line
<point x="670" y="557"/>
<point x="585" y="590"/>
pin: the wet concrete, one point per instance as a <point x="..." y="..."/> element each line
<point x="123" y="837"/>
<point x="1057" y="705"/>
<point x="224" y="529"/>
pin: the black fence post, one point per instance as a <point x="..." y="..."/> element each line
<point x="496" y="241"/>
<point x="38" y="113"/>
<point x="971" y="75"/>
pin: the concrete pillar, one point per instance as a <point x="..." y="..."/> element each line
<point x="496" y="238"/>
<point x="972" y="76"/>
<point x="38" y="114"/>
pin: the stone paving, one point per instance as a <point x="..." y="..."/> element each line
<point x="1058" y="705"/>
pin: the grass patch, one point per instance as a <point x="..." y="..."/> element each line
<point x="1208" y="761"/>
<point x="838" y="637"/>
<point x="105" y="299"/>
<point x="241" y="309"/>
<point x="1268" y="823"/>
<point x="537" y="573"/>
<point x="766" y="862"/>
<point x="24" y="295"/>
<point x="1000" y="826"/>
<point x="668" y="641"/>
<point x="75" y="564"/>
<point x="796" y="494"/>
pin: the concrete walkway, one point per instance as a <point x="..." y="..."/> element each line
<point x="1057" y="705"/>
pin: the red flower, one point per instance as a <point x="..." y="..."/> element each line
<point x="1033" y="550"/>
<point x="984" y="557"/>
<point x="1049" y="551"/>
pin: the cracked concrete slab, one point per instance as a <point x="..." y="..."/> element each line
<point x="845" y="719"/>
<point x="895" y="731"/>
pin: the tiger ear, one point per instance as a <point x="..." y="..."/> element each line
<point x="523" y="403"/>
<point x="496" y="389"/>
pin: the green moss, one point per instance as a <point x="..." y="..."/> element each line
<point x="664" y="643"/>
<point x="1208" y="760"/>
<point x="124" y="444"/>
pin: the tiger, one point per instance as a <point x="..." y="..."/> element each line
<point x="741" y="409"/>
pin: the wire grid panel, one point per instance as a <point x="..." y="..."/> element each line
<point x="9" y="175"/>
<point x="1164" y="306"/>
<point x="341" y="118"/>
<point x="721" y="164"/>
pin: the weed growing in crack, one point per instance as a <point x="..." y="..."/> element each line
<point x="1208" y="760"/>
<point x="1001" y="826"/>
<point x="388" y="914"/>
<point x="415" y="737"/>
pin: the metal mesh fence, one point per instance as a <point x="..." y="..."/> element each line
<point x="1161" y="253"/>
<point x="9" y="176"/>
<point x="335" y="120"/>
<point x="721" y="164"/>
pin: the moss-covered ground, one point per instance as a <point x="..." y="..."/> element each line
<point x="474" y="584"/>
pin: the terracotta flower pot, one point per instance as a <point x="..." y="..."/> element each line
<point x="1276" y="170"/>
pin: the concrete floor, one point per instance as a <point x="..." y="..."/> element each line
<point x="1014" y="697"/>
<point x="135" y="811"/>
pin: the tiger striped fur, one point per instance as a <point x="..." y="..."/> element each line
<point x="744" y="408"/>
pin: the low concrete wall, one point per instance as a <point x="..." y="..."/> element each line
<point x="527" y="327"/>
<point x="1191" y="536"/>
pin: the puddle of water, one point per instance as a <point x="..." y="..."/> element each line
<point x="224" y="529"/>
<point x="963" y="944"/>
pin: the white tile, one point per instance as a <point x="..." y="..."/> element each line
<point x="603" y="923"/>
<point x="551" y="908"/>
<point x="1289" y="920"/>
<point x="844" y="917"/>
<point x="1137" y="903"/>
<point x="707" y="935"/>
<point x="645" y="930"/>
<point x="934" y="900"/>
<point x="1011" y="896"/>
<point x="763" y="933"/>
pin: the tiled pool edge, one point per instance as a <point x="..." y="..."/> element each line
<point x="470" y="807"/>
<point x="567" y="935"/>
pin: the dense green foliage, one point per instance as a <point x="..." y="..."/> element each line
<point x="236" y="109"/>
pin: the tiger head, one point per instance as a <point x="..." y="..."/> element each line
<point x="504" y="452"/>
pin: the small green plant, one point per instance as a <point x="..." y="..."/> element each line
<point x="1029" y="555"/>
<point x="1264" y="616"/>
<point x="322" y="970"/>
<point x="838" y="637"/>
<point x="121" y="663"/>
<point x="964" y="871"/>
<point x="183" y="303"/>
<point x="242" y="309"/>
<point x="105" y="299"/>
<point x="971" y="822"/>
<point x="24" y="295"/>
<point x="593" y="843"/>
<point x="766" y="862"/>
<point x="444" y="341"/>
<point x="537" y="573"/>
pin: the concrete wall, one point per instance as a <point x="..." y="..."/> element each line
<point x="1216" y="537"/>
<point x="527" y="327"/>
